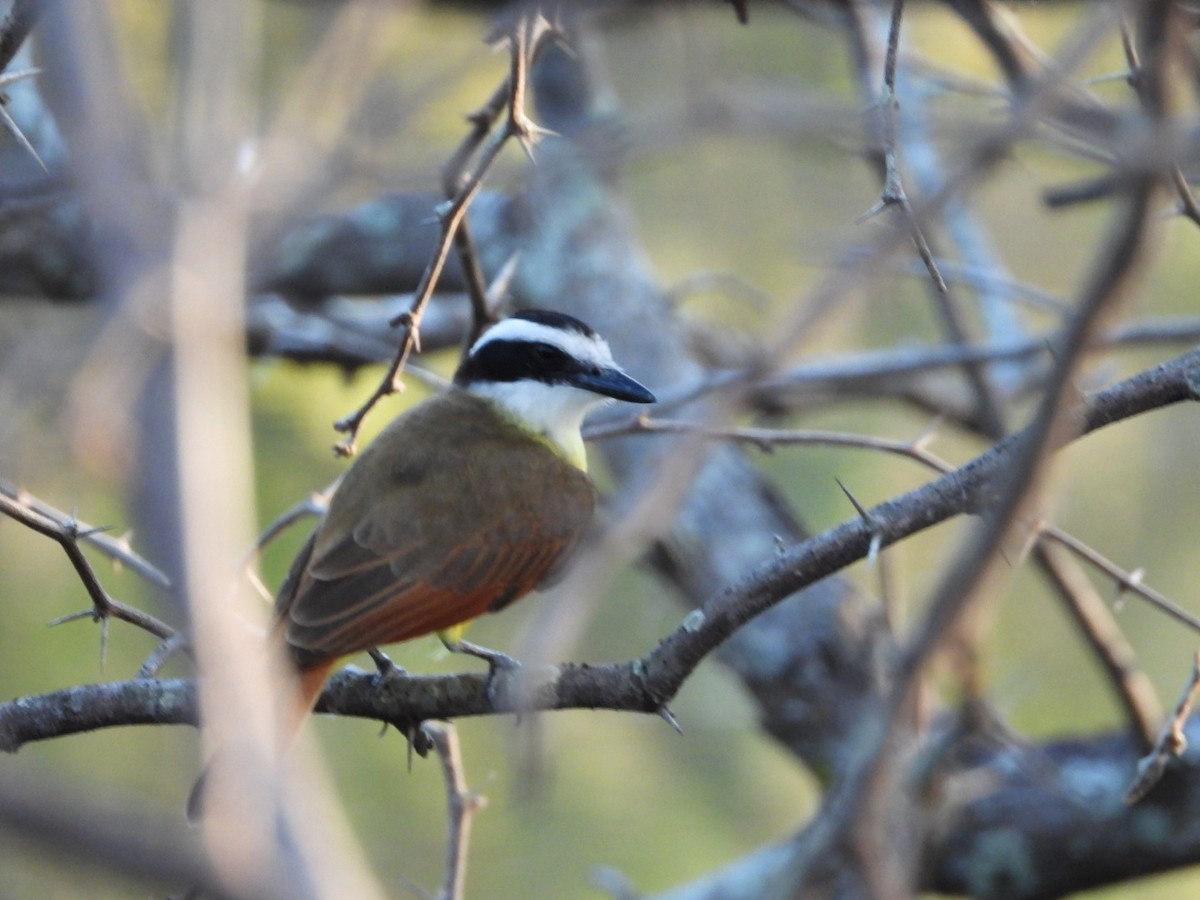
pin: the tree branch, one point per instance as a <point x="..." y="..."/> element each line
<point x="641" y="685"/>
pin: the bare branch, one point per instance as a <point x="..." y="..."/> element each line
<point x="462" y="803"/>
<point x="116" y="548"/>
<point x="767" y="439"/>
<point x="645" y="684"/>
<point x="452" y="215"/>
<point x="1127" y="582"/>
<point x="1104" y="636"/>
<point x="67" y="534"/>
<point x="1171" y="743"/>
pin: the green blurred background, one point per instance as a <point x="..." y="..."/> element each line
<point x="622" y="790"/>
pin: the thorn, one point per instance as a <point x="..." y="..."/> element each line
<point x="874" y="547"/>
<point x="664" y="713"/>
<point x="925" y="437"/>
<point x="858" y="507"/>
<point x="1032" y="535"/>
<point x="71" y="617"/>
<point x="10" y="123"/>
<point x="500" y="284"/>
<point x="258" y="585"/>
<point x="1134" y="580"/>
<point x="528" y="133"/>
<point x="876" y="544"/>
<point x="872" y="212"/>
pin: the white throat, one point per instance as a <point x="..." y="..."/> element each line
<point x="553" y="411"/>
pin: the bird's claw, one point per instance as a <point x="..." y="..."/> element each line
<point x="497" y="661"/>
<point x="385" y="669"/>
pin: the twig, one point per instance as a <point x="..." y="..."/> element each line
<point x="895" y="194"/>
<point x="1127" y="582"/>
<point x="163" y="652"/>
<point x="1104" y="636"/>
<point x="452" y="214"/>
<point x="482" y="121"/>
<point x="22" y="16"/>
<point x="461" y="806"/>
<point x="116" y="548"/>
<point x="643" y="684"/>
<point x="67" y="533"/>
<point x="315" y="504"/>
<point x="9" y="122"/>
<point x="859" y="811"/>
<point x="1187" y="200"/>
<point x="766" y="439"/>
<point x="1170" y="744"/>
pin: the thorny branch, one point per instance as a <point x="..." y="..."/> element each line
<point x="461" y="805"/>
<point x="526" y="38"/>
<point x="1127" y="582"/>
<point x="767" y="439"/>
<point x="975" y="482"/>
<point x="1104" y="636"/>
<point x="865" y="802"/>
<point x="895" y="195"/>
<point x="644" y="684"/>
<point x="1170" y="744"/>
<point x="67" y="532"/>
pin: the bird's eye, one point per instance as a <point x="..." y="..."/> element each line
<point x="548" y="353"/>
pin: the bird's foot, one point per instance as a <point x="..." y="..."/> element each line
<point x="497" y="661"/>
<point x="504" y="672"/>
<point x="385" y="669"/>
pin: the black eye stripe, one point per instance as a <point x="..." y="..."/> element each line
<point x="501" y="360"/>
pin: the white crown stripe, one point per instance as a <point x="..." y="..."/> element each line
<point x="580" y="346"/>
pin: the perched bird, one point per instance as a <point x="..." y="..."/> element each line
<point x="463" y="504"/>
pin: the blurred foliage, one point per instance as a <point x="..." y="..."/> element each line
<point x="573" y="790"/>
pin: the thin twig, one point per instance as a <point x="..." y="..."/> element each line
<point x="453" y="175"/>
<point x="1187" y="200"/>
<point x="116" y="548"/>
<point x="315" y="504"/>
<point x="1127" y="582"/>
<point x="894" y="194"/>
<point x="451" y="215"/>
<point x="15" y="28"/>
<point x="883" y="368"/>
<point x="1170" y="744"/>
<point x="1104" y="637"/>
<point x="766" y="439"/>
<point x="179" y="641"/>
<point x="67" y="534"/>
<point x="461" y="805"/>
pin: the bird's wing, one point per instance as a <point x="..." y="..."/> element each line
<point x="402" y="572"/>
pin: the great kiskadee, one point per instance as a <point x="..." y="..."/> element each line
<point x="463" y="504"/>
